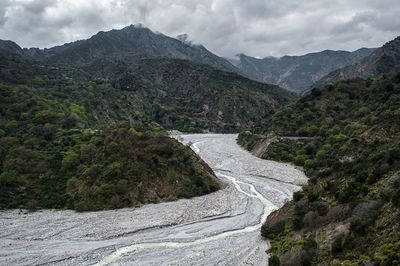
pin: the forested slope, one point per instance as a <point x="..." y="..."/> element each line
<point x="348" y="214"/>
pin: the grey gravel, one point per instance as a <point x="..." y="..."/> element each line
<point x="220" y="228"/>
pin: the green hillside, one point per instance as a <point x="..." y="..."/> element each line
<point x="348" y="214"/>
<point x="94" y="137"/>
<point x="52" y="157"/>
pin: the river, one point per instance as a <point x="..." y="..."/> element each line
<point x="221" y="228"/>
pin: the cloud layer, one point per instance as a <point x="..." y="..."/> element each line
<point x="227" y="27"/>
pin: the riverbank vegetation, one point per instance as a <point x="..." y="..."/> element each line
<point x="69" y="142"/>
<point x="348" y="214"/>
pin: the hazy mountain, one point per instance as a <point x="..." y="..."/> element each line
<point x="93" y="109"/>
<point x="178" y="94"/>
<point x="297" y="73"/>
<point x="383" y="60"/>
<point x="130" y="44"/>
<point x="10" y="46"/>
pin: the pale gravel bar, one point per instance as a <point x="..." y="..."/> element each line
<point x="221" y="228"/>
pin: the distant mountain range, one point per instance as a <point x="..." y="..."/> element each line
<point x="174" y="83"/>
<point x="297" y="73"/>
<point x="129" y="44"/>
<point x="83" y="125"/>
<point x="107" y="54"/>
<point x="382" y="61"/>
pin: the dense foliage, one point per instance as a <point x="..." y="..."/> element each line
<point x="69" y="142"/>
<point x="50" y="158"/>
<point x="85" y="134"/>
<point x="349" y="211"/>
<point x="177" y="94"/>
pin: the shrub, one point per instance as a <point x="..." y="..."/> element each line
<point x="31" y="205"/>
<point x="300" y="160"/>
<point x="362" y="111"/>
<point x="395" y="199"/>
<point x="360" y="225"/>
<point x="274" y="261"/>
<point x="297" y="195"/>
<point x="388" y="254"/>
<point x="271" y="229"/>
<point x="337" y="245"/>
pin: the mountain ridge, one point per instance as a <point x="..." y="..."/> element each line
<point x="382" y="61"/>
<point x="131" y="43"/>
<point x="297" y="73"/>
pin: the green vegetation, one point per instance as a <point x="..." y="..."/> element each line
<point x="74" y="143"/>
<point x="92" y="136"/>
<point x="351" y="154"/>
<point x="49" y="159"/>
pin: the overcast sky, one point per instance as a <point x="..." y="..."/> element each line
<point x="227" y="27"/>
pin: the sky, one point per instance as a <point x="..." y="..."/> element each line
<point x="257" y="28"/>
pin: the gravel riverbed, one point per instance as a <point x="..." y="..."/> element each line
<point x="220" y="228"/>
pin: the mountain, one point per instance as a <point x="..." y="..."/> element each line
<point x="178" y="94"/>
<point x="382" y="61"/>
<point x="193" y="97"/>
<point x="346" y="137"/>
<point x="10" y="47"/>
<point x="130" y="44"/>
<point x="297" y="73"/>
<point x="84" y="127"/>
<point x="68" y="142"/>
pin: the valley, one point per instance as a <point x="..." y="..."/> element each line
<point x="289" y="157"/>
<point x="218" y="228"/>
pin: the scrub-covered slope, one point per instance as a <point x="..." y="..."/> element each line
<point x="350" y="148"/>
<point x="51" y="158"/>
<point x="69" y="142"/>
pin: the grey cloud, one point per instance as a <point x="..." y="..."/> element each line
<point x="227" y="27"/>
<point x="38" y="6"/>
<point x="3" y="9"/>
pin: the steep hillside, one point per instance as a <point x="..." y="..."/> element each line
<point x="382" y="61"/>
<point x="347" y="139"/>
<point x="71" y="143"/>
<point x="178" y="94"/>
<point x="194" y="97"/>
<point x="71" y="140"/>
<point x="10" y="47"/>
<point x="297" y="73"/>
<point x="129" y="44"/>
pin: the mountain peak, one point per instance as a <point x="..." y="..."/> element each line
<point x="134" y="27"/>
<point x="130" y="44"/>
<point x="381" y="61"/>
<point x="297" y="73"/>
<point x="10" y="46"/>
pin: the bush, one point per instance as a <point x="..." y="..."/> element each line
<point x="360" y="225"/>
<point x="274" y="261"/>
<point x="388" y="254"/>
<point x="300" y="160"/>
<point x="337" y="245"/>
<point x="298" y="195"/>
<point x="31" y="205"/>
<point x="395" y="199"/>
<point x="272" y="229"/>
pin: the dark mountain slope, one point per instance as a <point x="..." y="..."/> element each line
<point x="297" y="73"/>
<point x="69" y="139"/>
<point x="130" y="44"/>
<point x="10" y="47"/>
<point x="349" y="212"/>
<point x="382" y="61"/>
<point x="68" y="142"/>
<point x="178" y="94"/>
<point x="189" y="96"/>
